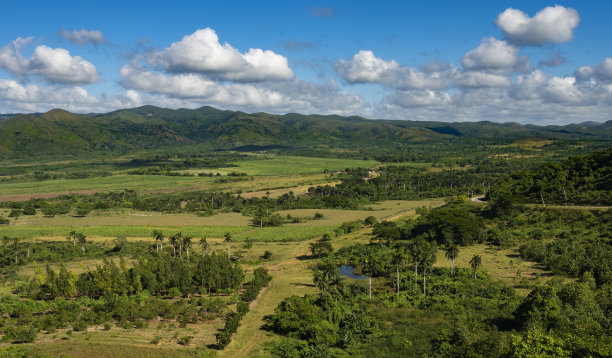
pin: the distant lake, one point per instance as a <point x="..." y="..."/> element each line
<point x="348" y="271"/>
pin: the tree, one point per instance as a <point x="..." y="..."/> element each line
<point x="399" y="257"/>
<point x="415" y="252"/>
<point x="475" y="262"/>
<point x="82" y="240"/>
<point x="72" y="236"/>
<point x="158" y="236"/>
<point x="187" y="244"/>
<point x="452" y="251"/>
<point x="173" y="240"/>
<point x="427" y="260"/>
<point x="228" y="239"/>
<point x="204" y="245"/>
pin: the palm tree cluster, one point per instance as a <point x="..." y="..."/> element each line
<point x="77" y="238"/>
<point x="177" y="241"/>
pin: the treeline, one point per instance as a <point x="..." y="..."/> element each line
<point x="583" y="179"/>
<point x="253" y="287"/>
<point x="157" y="274"/>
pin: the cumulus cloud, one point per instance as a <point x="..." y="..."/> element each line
<point x="601" y="72"/>
<point x="35" y="97"/>
<point x="201" y="52"/>
<point x="54" y="65"/>
<point x="83" y="37"/>
<point x="476" y="79"/>
<point x="418" y="98"/>
<point x="364" y="67"/>
<point x="280" y="96"/>
<point x="553" y="24"/>
<point x="495" y="56"/>
<point x="552" y="89"/>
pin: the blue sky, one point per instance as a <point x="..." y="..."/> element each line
<point x="524" y="61"/>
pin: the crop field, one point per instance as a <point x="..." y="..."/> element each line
<point x="284" y="165"/>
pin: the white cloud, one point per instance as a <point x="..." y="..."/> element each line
<point x="601" y="72"/>
<point x="202" y="53"/>
<point x="54" y="65"/>
<point x="281" y="96"/>
<point x="495" y="56"/>
<point x="417" y="98"/>
<point x="475" y="79"/>
<point x="553" y="24"/>
<point x="552" y="89"/>
<point x="364" y="67"/>
<point x="34" y="97"/>
<point x="83" y="37"/>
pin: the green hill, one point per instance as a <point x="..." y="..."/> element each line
<point x="60" y="132"/>
<point x="579" y="180"/>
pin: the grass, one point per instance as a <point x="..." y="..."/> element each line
<point x="135" y="218"/>
<point x="111" y="231"/>
<point x="286" y="233"/>
<point x="502" y="264"/>
<point x="283" y="165"/>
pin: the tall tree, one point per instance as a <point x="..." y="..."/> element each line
<point x="475" y="262"/>
<point x="187" y="244"/>
<point x="158" y="236"/>
<point x="415" y="252"/>
<point x="72" y="236"/>
<point x="399" y="257"/>
<point x="173" y="240"/>
<point x="204" y="245"/>
<point x="428" y="259"/>
<point x="228" y="240"/>
<point x="452" y="252"/>
<point x="82" y="240"/>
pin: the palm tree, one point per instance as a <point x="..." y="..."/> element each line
<point x="228" y="239"/>
<point x="173" y="240"/>
<point x="428" y="259"/>
<point x="475" y="262"/>
<point x="81" y="239"/>
<point x="399" y="256"/>
<point x="204" y="245"/>
<point x="72" y="236"/>
<point x="452" y="251"/>
<point x="158" y="236"/>
<point x="415" y="253"/>
<point x="187" y="244"/>
<point x="179" y="242"/>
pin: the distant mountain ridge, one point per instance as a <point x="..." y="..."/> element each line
<point x="61" y="132"/>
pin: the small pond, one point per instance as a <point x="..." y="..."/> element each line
<point x="347" y="270"/>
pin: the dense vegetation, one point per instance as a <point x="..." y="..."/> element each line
<point x="583" y="179"/>
<point x="148" y="127"/>
<point x="415" y="309"/>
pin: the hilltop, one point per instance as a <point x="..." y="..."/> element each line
<point x="59" y="132"/>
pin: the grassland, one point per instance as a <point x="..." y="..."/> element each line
<point x="269" y="173"/>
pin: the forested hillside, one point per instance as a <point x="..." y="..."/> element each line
<point x="583" y="179"/>
<point x="62" y="132"/>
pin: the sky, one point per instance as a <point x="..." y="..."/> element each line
<point x="504" y="61"/>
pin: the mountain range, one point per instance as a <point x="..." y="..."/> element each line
<point x="59" y="132"/>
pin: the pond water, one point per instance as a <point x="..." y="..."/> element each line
<point x="347" y="270"/>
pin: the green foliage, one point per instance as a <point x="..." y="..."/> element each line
<point x="580" y="180"/>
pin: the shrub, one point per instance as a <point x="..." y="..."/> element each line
<point x="185" y="340"/>
<point x="156" y="340"/>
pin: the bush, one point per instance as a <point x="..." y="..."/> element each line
<point x="185" y="340"/>
<point x="4" y="221"/>
<point x="174" y="292"/>
<point x="156" y="340"/>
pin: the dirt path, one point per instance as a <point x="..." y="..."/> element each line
<point x="290" y="277"/>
